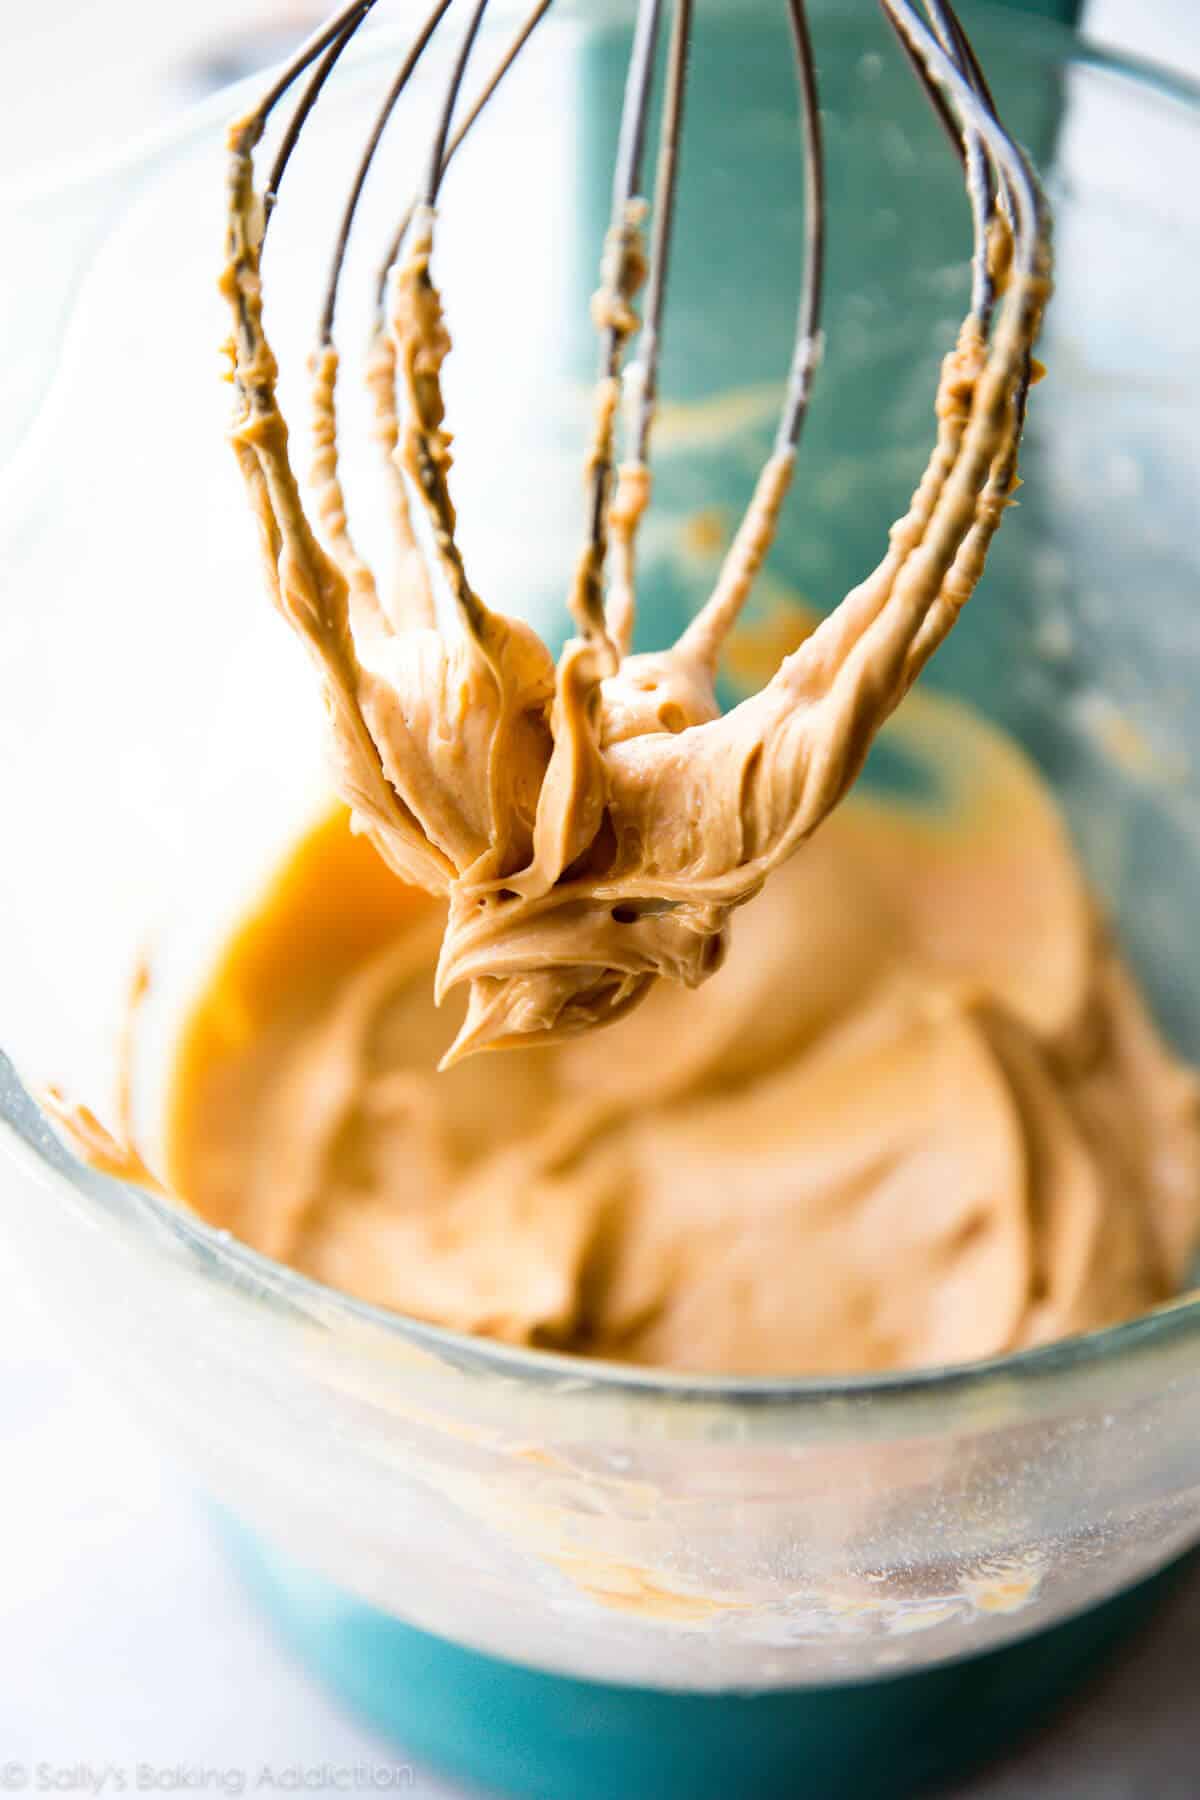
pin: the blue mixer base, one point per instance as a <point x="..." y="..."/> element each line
<point x="514" y="1731"/>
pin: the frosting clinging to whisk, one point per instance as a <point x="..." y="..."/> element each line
<point x="595" y="823"/>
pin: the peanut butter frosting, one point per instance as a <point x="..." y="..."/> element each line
<point x="919" y="1115"/>
<point x="594" y="823"/>
<point x="910" y="1110"/>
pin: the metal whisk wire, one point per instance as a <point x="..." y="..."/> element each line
<point x="994" y="163"/>
<point x="997" y="176"/>
<point x="404" y="75"/>
<point x="626" y="264"/>
<point x="622" y="273"/>
<point x="642" y="378"/>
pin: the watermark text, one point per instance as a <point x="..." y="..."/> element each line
<point x="94" y="1779"/>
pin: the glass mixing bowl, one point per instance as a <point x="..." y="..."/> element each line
<point x="159" y="740"/>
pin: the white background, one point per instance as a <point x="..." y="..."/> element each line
<point x="123" y="1636"/>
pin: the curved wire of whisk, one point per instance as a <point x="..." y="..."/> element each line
<point x="994" y="163"/>
<point x="997" y="174"/>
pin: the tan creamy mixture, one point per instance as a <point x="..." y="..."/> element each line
<point x="919" y="1115"/>
<point x="910" y="1109"/>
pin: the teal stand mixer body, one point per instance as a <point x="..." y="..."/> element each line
<point x="514" y="1730"/>
<point x="522" y="1730"/>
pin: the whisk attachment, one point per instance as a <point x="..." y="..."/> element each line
<point x="807" y="354"/>
<point x="520" y="38"/>
<point x="622" y="273"/>
<point x="760" y="520"/>
<point x="621" y="514"/>
<point x="403" y="76"/>
<point x="641" y="380"/>
<point x="308" y="99"/>
<point x="976" y="168"/>
<point x="326" y="43"/>
<point x="996" y="168"/>
<point x="594" y="823"/>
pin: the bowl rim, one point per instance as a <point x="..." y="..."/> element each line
<point x="163" y="1222"/>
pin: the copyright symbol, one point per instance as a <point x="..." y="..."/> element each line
<point x="13" y="1777"/>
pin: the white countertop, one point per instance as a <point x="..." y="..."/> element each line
<point x="126" y="1640"/>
